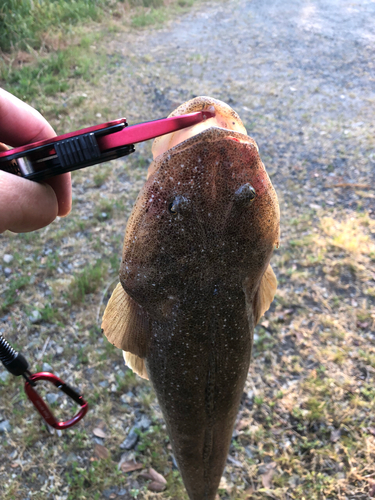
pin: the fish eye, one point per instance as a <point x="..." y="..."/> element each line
<point x="245" y="194"/>
<point x="172" y="208"/>
<point x="178" y="205"/>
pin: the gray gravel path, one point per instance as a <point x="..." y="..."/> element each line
<point x="300" y="74"/>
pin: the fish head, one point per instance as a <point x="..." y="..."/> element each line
<point x="206" y="216"/>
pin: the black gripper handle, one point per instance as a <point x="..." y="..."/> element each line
<point x="79" y="149"/>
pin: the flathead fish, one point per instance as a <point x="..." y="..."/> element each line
<point x="195" y="278"/>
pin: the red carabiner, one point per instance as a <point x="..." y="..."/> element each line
<point x="41" y="406"/>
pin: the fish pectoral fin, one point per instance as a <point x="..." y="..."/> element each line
<point x="126" y="325"/>
<point x="265" y="294"/>
<point x="136" y="363"/>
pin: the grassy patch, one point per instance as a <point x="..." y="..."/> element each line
<point x="49" y="313"/>
<point x="101" y="176"/>
<point x="51" y="73"/>
<point x="46" y="49"/>
<point x="27" y="24"/>
<point x="12" y="292"/>
<point x="104" y="210"/>
<point x="87" y="281"/>
<point x="148" y="17"/>
<point x="84" y="481"/>
<point x="351" y="234"/>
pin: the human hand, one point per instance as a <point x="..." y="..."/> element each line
<point x="26" y="205"/>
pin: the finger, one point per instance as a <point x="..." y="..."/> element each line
<point x="20" y="123"/>
<point x="62" y="186"/>
<point x="25" y="205"/>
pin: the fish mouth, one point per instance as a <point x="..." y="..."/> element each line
<point x="225" y="117"/>
<point x="209" y="135"/>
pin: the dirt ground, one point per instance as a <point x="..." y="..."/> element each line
<point x="302" y="77"/>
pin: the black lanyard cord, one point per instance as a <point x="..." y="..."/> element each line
<point x="13" y="361"/>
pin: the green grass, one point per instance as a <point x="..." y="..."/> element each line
<point x="88" y="481"/>
<point x="56" y="54"/>
<point x="101" y="176"/>
<point x="24" y="24"/>
<point x="53" y="73"/>
<point x="104" y="210"/>
<point x="12" y="292"/>
<point x="49" y="313"/>
<point x="148" y="17"/>
<point x="87" y="281"/>
<point x="146" y="3"/>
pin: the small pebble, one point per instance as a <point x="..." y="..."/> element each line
<point x="248" y="452"/>
<point x="98" y="440"/>
<point x="72" y="457"/>
<point x="131" y="440"/>
<point x="7" y="258"/>
<point x="127" y="398"/>
<point x="109" y="493"/>
<point x="51" y="397"/>
<point x="4" y="376"/>
<point x="47" y="367"/>
<point x="144" y="423"/>
<point x="7" y="271"/>
<point x="35" y="317"/>
<point x="5" y="426"/>
<point x="59" y="349"/>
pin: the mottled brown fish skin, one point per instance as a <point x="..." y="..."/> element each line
<point x="198" y="371"/>
<point x="194" y="255"/>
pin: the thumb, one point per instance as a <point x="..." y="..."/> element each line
<point x="24" y="205"/>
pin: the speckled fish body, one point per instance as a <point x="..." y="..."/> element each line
<point x="195" y="278"/>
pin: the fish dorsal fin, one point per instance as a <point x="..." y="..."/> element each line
<point x="126" y="325"/>
<point x="265" y="294"/>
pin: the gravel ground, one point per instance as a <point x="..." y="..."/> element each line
<point x="301" y="76"/>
